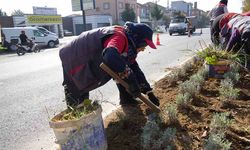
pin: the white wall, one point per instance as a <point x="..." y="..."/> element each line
<point x="93" y="19"/>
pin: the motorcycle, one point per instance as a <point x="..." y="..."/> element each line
<point x="22" y="49"/>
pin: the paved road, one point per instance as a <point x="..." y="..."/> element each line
<point x="31" y="91"/>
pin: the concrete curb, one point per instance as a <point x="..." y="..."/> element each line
<point x="181" y="65"/>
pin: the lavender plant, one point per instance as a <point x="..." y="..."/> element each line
<point x="203" y="72"/>
<point x="217" y="142"/>
<point x="220" y="122"/>
<point x="171" y="110"/>
<point x="153" y="138"/>
<point x="190" y="87"/>
<point x="166" y="139"/>
<point x="196" y="78"/>
<point x="227" y="91"/>
<point x="182" y="100"/>
<point x="150" y="133"/>
<point x="226" y="83"/>
<point x="176" y="74"/>
<point x="234" y="76"/>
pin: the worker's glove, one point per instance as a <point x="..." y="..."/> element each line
<point x="153" y="98"/>
<point x="125" y="73"/>
<point x="134" y="88"/>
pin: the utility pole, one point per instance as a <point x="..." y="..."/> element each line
<point x="83" y="16"/>
<point x="116" y="12"/>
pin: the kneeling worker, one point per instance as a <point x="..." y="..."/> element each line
<point x="117" y="47"/>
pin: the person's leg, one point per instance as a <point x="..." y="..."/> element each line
<point x="73" y="96"/>
<point x="211" y="30"/>
<point x="125" y="97"/>
<point x="215" y="32"/>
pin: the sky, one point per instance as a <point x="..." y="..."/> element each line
<point x="64" y="6"/>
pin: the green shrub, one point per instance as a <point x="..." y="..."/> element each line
<point x="150" y="134"/>
<point x="182" y="100"/>
<point x="153" y="138"/>
<point x="213" y="54"/>
<point x="190" y="87"/>
<point x="217" y="142"/>
<point x="220" y="122"/>
<point x="166" y="139"/>
<point x="74" y="113"/>
<point x="226" y="83"/>
<point x="227" y="91"/>
<point x="203" y="72"/>
<point x="171" y="111"/>
<point x="176" y="74"/>
<point x="229" y="94"/>
<point x="3" y="49"/>
<point x="196" y="78"/>
<point x="233" y="74"/>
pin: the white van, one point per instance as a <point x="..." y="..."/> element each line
<point x="45" y="31"/>
<point x="11" y="37"/>
<point x="179" y="24"/>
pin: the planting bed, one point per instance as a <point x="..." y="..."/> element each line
<point x="124" y="127"/>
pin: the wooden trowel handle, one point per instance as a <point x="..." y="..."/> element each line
<point x="124" y="84"/>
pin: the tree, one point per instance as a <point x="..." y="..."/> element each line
<point x="17" y="13"/>
<point x="2" y="13"/>
<point x="156" y="12"/>
<point x="246" y="5"/>
<point x="128" y="14"/>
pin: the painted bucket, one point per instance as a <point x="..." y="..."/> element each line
<point x="86" y="133"/>
<point x="219" y="69"/>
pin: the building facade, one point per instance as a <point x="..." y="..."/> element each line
<point x="182" y="6"/>
<point x="113" y="8"/>
<point x="143" y="13"/>
<point x="74" y="23"/>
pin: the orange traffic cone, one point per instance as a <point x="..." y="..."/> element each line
<point x="158" y="40"/>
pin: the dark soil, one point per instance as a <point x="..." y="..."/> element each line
<point x="124" y="126"/>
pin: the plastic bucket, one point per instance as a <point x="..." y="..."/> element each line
<point x="219" y="69"/>
<point x="86" y="133"/>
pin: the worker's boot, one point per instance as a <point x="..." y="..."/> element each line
<point x="125" y="97"/>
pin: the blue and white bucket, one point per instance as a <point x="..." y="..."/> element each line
<point x="86" y="133"/>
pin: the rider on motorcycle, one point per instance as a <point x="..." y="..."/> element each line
<point x="25" y="40"/>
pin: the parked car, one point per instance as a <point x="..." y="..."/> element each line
<point x="67" y="33"/>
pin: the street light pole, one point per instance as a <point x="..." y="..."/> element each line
<point x="83" y="16"/>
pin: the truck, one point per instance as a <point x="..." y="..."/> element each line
<point x="11" y="37"/>
<point x="182" y="24"/>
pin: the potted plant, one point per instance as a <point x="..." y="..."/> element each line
<point x="217" y="61"/>
<point x="80" y="128"/>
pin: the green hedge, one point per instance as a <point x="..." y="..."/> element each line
<point x="3" y="49"/>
